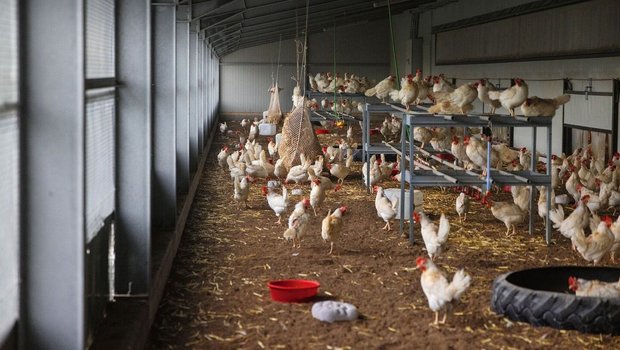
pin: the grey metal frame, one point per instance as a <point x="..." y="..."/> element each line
<point x="193" y="97"/>
<point x="134" y="147"/>
<point x="53" y="184"/>
<point x="164" y="115"/>
<point x="182" y="98"/>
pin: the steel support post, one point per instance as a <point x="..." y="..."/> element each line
<point x="52" y="175"/>
<point x="193" y="99"/>
<point x="164" y="117"/>
<point x="182" y="98"/>
<point x="134" y="147"/>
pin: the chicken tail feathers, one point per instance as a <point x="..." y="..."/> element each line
<point x="557" y="216"/>
<point x="394" y="95"/>
<point x="560" y="100"/>
<point x="370" y="92"/>
<point x="460" y="283"/>
<point x="444" y="229"/>
<point x="494" y="95"/>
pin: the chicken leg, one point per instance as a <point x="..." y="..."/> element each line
<point x="331" y="248"/>
<point x="387" y="226"/>
<point x="443" y="320"/>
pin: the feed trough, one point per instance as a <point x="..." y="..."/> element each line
<point x="541" y="296"/>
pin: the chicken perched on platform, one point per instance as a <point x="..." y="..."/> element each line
<point x="458" y="101"/>
<point x="462" y="206"/>
<point x="458" y="150"/>
<point x="594" y="288"/>
<point x="383" y="88"/>
<point x="483" y="88"/>
<point x="277" y="202"/>
<point x="439" y="292"/>
<point x="298" y="223"/>
<point x="423" y="135"/>
<point x="434" y="237"/>
<point x="512" y="97"/>
<point x="408" y="92"/>
<point x="440" y="84"/>
<point x="331" y="226"/>
<point x="425" y="87"/>
<point x="542" y="107"/>
<point x="386" y="210"/>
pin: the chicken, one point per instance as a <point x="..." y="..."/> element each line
<point x="512" y="97"/>
<point x="244" y="122"/>
<point x="253" y="132"/>
<point x="458" y="101"/>
<point x="242" y="190"/>
<point x="317" y="194"/>
<point x="483" y="95"/>
<point x="299" y="173"/>
<point x="298" y="223"/>
<point x="458" y="150"/>
<point x="424" y="86"/>
<point x="342" y="171"/>
<point x="277" y="202"/>
<point x="221" y="157"/>
<point x="386" y="210"/>
<point x="383" y="88"/>
<point x="439" y="292"/>
<point x="542" y="203"/>
<point x="508" y="213"/>
<point x="434" y="237"/>
<point x="375" y="172"/>
<point x="441" y="84"/>
<point x="578" y="219"/>
<point x="542" y="107"/>
<point x="594" y="247"/>
<point x="594" y="288"/>
<point x="506" y="154"/>
<point x="423" y="135"/>
<point x="571" y="186"/>
<point x="408" y="92"/>
<point x="521" y="197"/>
<point x="477" y="152"/>
<point x="269" y="168"/>
<point x="271" y="147"/>
<point x="331" y="226"/>
<point x="279" y="169"/>
<point x="223" y="127"/>
<point x="462" y="206"/>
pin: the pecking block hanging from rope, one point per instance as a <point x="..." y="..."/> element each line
<point x="298" y="137"/>
<point x="274" y="113"/>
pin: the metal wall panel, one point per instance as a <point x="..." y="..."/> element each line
<point x="246" y="75"/>
<point x="182" y="99"/>
<point x="9" y="162"/>
<point x="99" y="38"/>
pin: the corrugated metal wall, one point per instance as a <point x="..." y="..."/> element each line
<point x="541" y="75"/>
<point x="246" y="74"/>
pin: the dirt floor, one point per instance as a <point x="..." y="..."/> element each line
<point x="217" y="295"/>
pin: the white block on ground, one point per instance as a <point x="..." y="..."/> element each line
<point x="331" y="311"/>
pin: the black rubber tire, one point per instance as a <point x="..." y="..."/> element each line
<point x="558" y="309"/>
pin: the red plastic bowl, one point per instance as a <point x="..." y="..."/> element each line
<point x="321" y="131"/>
<point x="291" y="291"/>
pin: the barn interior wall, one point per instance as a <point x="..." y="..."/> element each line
<point x="246" y="74"/>
<point x="543" y="77"/>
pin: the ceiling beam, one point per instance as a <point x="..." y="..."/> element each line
<point x="200" y="14"/>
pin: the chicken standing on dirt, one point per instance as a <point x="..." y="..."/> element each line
<point x="508" y="213"/>
<point x="317" y="194"/>
<point x="462" y="206"/>
<point x="298" y="223"/>
<point x="242" y="190"/>
<point x="597" y="245"/>
<point x="434" y="237"/>
<point x="331" y="226"/>
<point x="438" y="291"/>
<point x="222" y="156"/>
<point x="277" y="202"/>
<point x="594" y="288"/>
<point x="386" y="210"/>
<point x="339" y="170"/>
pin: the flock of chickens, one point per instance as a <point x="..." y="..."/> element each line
<point x="592" y="186"/>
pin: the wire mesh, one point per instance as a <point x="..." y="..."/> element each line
<point x="99" y="39"/>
